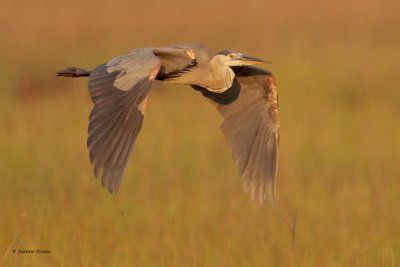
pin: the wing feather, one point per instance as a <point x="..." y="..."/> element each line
<point x="118" y="88"/>
<point x="251" y="125"/>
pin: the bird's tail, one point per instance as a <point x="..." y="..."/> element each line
<point x="73" y="72"/>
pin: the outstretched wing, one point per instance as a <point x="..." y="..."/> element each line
<point x="250" y="110"/>
<point x="119" y="90"/>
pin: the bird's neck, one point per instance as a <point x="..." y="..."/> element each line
<point x="216" y="77"/>
<point x="221" y="76"/>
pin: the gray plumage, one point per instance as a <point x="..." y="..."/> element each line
<point x="244" y="95"/>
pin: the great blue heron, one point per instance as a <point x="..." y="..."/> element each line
<point x="244" y="95"/>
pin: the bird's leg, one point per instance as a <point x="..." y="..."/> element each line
<point x="73" y="72"/>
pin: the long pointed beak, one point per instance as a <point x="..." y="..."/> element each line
<point x="248" y="60"/>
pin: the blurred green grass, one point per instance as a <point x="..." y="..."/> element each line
<point x="181" y="201"/>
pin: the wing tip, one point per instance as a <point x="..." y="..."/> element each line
<point x="110" y="182"/>
<point x="260" y="192"/>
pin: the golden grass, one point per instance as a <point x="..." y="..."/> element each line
<point x="181" y="201"/>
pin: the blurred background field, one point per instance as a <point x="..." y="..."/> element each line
<point x="181" y="201"/>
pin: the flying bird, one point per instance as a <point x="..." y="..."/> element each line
<point x="245" y="96"/>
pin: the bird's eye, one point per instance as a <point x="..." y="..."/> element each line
<point x="230" y="56"/>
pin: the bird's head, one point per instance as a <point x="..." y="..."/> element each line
<point x="233" y="58"/>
